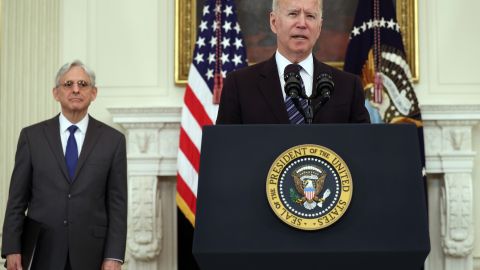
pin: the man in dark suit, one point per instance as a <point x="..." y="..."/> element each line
<point x="254" y="95"/>
<point x="70" y="176"/>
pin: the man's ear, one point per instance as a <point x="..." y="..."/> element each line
<point x="55" y="93"/>
<point x="273" y="21"/>
<point x="94" y="93"/>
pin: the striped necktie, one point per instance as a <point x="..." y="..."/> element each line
<point x="293" y="114"/>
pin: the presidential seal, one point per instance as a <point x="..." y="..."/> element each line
<point x="309" y="187"/>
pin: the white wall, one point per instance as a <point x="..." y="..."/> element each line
<point x="130" y="46"/>
<point x="449" y="54"/>
<point x="28" y="58"/>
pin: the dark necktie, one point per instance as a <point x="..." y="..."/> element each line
<point x="71" y="153"/>
<point x="293" y="114"/>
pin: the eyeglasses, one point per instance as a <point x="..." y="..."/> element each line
<point x="81" y="84"/>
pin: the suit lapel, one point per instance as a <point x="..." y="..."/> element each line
<point x="52" y="133"/>
<point x="91" y="138"/>
<point x="271" y="89"/>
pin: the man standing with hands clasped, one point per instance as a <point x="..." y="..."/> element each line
<point x="70" y="176"/>
<point x="254" y="95"/>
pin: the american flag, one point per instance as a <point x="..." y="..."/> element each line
<point x="219" y="49"/>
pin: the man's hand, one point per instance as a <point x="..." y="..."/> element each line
<point x="14" y="262"/>
<point x="111" y="265"/>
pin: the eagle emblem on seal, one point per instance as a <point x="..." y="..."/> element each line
<point x="309" y="181"/>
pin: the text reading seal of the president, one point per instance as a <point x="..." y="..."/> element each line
<point x="309" y="187"/>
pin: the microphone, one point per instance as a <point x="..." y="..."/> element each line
<point x="324" y="88"/>
<point x="293" y="81"/>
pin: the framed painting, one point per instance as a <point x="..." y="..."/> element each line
<point x="260" y="42"/>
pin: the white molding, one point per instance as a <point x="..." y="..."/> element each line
<point x="450" y="112"/>
<point x="153" y="115"/>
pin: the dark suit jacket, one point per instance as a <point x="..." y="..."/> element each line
<point x="87" y="219"/>
<point x="253" y="95"/>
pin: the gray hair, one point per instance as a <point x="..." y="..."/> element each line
<point x="275" y="6"/>
<point x="77" y="63"/>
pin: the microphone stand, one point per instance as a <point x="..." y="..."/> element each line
<point x="309" y="111"/>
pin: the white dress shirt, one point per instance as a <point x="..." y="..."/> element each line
<point x="306" y="72"/>
<point x="79" y="133"/>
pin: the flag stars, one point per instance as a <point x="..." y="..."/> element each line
<point x="382" y="22"/>
<point x="224" y="58"/>
<point x="364" y="27"/>
<point x="218" y="8"/>
<point x="356" y="31"/>
<point x="200" y="42"/>
<point x="224" y="73"/>
<point x="228" y="11"/>
<point x="227" y="26"/>
<point x="215" y="25"/>
<point x="199" y="58"/>
<point x="370" y="24"/>
<point x="237" y="59"/>
<point x="205" y="10"/>
<point x="209" y="74"/>
<point x="225" y="42"/>
<point x="203" y="26"/>
<point x="391" y="24"/>
<point x="238" y="43"/>
<point x="213" y="42"/>
<point x="237" y="28"/>
<point x="211" y="58"/>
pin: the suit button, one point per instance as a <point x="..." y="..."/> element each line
<point x="69" y="196"/>
<point x="65" y="222"/>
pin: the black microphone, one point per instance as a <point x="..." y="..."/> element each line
<point x="293" y="81"/>
<point x="324" y="88"/>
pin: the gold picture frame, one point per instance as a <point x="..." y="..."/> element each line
<point x="185" y="35"/>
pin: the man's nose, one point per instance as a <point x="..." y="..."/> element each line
<point x="302" y="22"/>
<point x="76" y="88"/>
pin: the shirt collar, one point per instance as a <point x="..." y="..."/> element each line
<point x="65" y="124"/>
<point x="282" y="62"/>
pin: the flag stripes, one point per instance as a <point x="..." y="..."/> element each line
<point x="219" y="49"/>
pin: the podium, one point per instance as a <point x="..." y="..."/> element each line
<point x="384" y="227"/>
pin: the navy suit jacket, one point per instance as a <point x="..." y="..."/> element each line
<point x="253" y="95"/>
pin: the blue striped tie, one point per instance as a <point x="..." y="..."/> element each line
<point x="71" y="152"/>
<point x="293" y="114"/>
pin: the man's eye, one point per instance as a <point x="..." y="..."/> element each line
<point x="68" y="84"/>
<point x="82" y="84"/>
